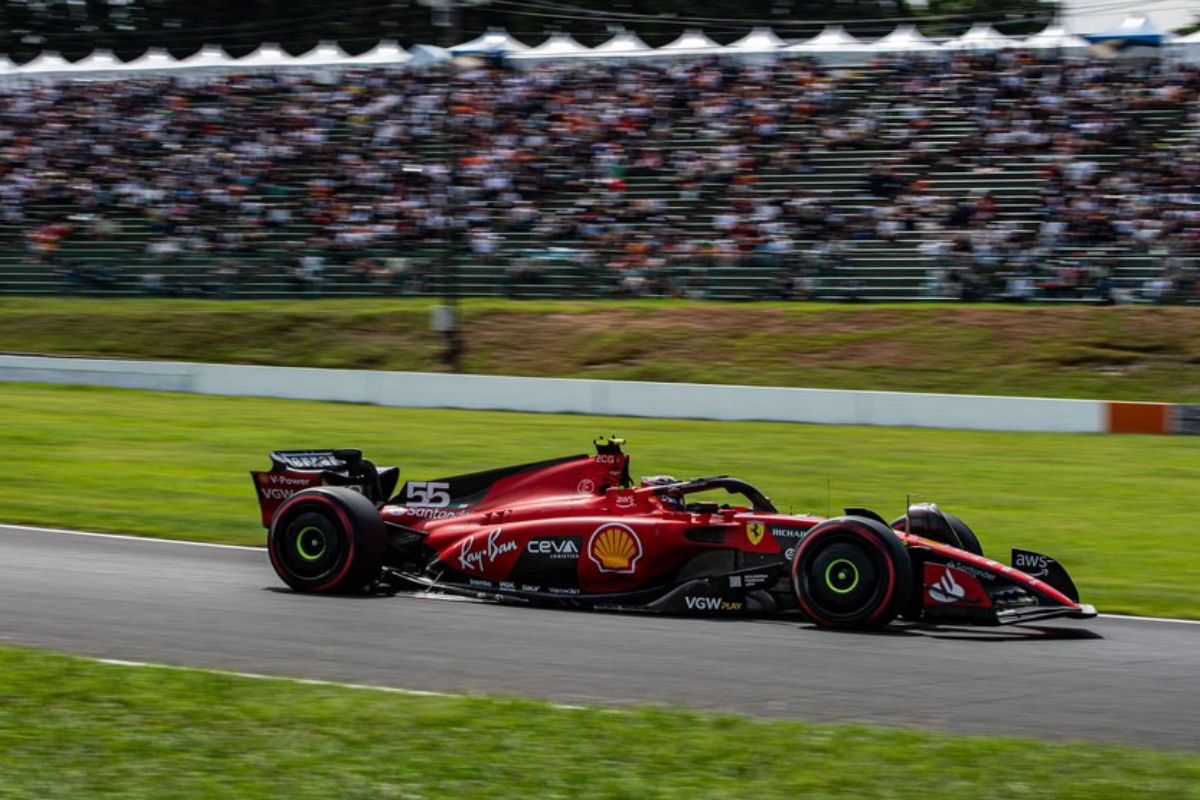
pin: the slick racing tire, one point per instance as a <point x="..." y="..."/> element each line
<point x="940" y="526"/>
<point x="852" y="573"/>
<point x="327" y="540"/>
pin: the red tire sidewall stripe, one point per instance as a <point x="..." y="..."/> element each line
<point x="342" y="518"/>
<point x="869" y="538"/>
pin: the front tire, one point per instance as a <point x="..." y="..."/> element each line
<point x="930" y="522"/>
<point x="852" y="573"/>
<point x="327" y="540"/>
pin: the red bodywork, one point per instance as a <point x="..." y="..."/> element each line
<point x="577" y="528"/>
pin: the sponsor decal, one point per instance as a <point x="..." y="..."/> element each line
<point x="431" y="494"/>
<point x="312" y="461"/>
<point x="606" y="459"/>
<point x="711" y="604"/>
<point x="478" y="560"/>
<point x="1032" y="564"/>
<point x="424" y="512"/>
<point x="562" y="590"/>
<point x="788" y="533"/>
<point x="277" y="494"/>
<point x="975" y="571"/>
<point x="477" y="582"/>
<point x="274" y="486"/>
<point x="566" y="547"/>
<point x="615" y="548"/>
<point x="755" y="532"/>
<point x="512" y="587"/>
<point x="586" y="486"/>
<point x="525" y="587"/>
<point x="947" y="590"/>
<point x="951" y="586"/>
<point x="624" y="501"/>
<point x="288" y="480"/>
<point x="735" y="581"/>
<point x="789" y="539"/>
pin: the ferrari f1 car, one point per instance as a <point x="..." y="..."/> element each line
<point x="577" y="531"/>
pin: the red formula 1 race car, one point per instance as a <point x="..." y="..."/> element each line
<point x="576" y="531"/>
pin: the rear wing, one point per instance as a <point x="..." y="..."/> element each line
<point x="296" y="470"/>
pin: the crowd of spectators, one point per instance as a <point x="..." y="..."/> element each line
<point x="370" y="177"/>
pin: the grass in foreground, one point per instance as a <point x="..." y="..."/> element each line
<point x="1119" y="512"/>
<point x="71" y="728"/>
<point x="1105" y="353"/>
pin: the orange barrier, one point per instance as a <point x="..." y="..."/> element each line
<point x="1154" y="418"/>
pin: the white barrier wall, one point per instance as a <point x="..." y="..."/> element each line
<point x="604" y="398"/>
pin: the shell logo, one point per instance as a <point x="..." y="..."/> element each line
<point x="615" y="548"/>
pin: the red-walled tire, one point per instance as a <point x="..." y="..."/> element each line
<point x="327" y="540"/>
<point x="852" y="573"/>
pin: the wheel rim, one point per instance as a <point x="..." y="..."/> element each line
<point x="844" y="578"/>
<point x="310" y="545"/>
<point x="841" y="576"/>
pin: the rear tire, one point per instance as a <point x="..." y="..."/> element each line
<point x="327" y="540"/>
<point x="852" y="573"/>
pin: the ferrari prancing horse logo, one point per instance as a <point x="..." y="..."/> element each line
<point x="755" y="532"/>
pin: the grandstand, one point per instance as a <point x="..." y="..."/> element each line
<point x="120" y="256"/>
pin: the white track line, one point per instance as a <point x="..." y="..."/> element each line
<point x="129" y="538"/>
<point x="1152" y="619"/>
<point x="367" y="687"/>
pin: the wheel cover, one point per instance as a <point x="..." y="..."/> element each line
<point x="845" y="578"/>
<point x="310" y="545"/>
<point x="841" y="576"/>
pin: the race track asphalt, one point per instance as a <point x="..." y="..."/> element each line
<point x="1114" y="680"/>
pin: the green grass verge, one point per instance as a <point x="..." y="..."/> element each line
<point x="71" y="728"/>
<point x="1105" y="353"/>
<point x="1119" y="511"/>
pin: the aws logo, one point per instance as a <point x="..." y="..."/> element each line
<point x="615" y="548"/>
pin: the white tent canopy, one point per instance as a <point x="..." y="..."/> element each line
<point x="424" y="55"/>
<point x="759" y="40"/>
<point x="47" y="62"/>
<point x="268" y="56"/>
<point x="1055" y="37"/>
<point x="691" y="43"/>
<point x="981" y="36"/>
<point x="833" y="39"/>
<point x="623" y="45"/>
<point x="560" y="45"/>
<point x="210" y="56"/>
<point x="154" y="59"/>
<point x="904" y="39"/>
<point x="496" y="40"/>
<point x="1135" y="27"/>
<point x="98" y="61"/>
<point x="1185" y="48"/>
<point x="325" y="54"/>
<point x="386" y="52"/>
<point x="833" y="45"/>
